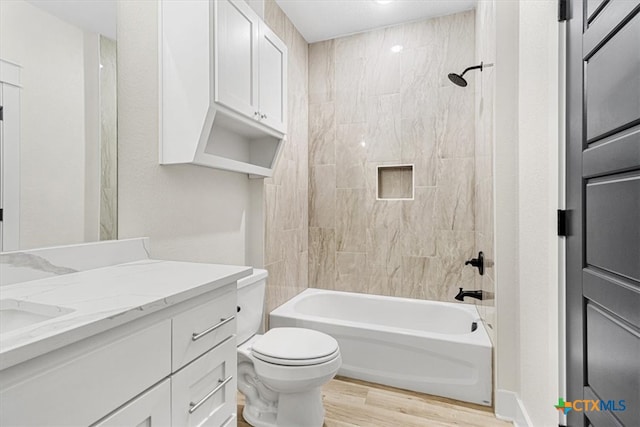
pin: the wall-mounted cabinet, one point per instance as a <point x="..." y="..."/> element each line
<point x="223" y="78"/>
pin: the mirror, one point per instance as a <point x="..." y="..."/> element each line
<point x="67" y="168"/>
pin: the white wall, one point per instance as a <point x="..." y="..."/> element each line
<point x="538" y="202"/>
<point x="506" y="195"/>
<point x="527" y="180"/>
<point x="50" y="52"/>
<point x="190" y="213"/>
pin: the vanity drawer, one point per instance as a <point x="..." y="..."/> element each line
<point x="197" y="330"/>
<point x="74" y="389"/>
<point x="203" y="393"/>
<point x="152" y="409"/>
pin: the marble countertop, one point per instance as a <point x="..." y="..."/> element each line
<point x="96" y="300"/>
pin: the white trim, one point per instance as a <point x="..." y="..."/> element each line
<point x="10" y="73"/>
<point x="509" y="407"/>
<point x="562" y="204"/>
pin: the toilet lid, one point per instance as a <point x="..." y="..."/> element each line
<point x="295" y="346"/>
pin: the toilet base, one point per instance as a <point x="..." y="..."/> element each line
<point x="294" y="410"/>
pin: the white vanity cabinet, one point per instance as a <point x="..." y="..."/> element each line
<point x="173" y="367"/>
<point x="152" y="409"/>
<point x="223" y="92"/>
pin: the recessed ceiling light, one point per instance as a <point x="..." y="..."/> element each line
<point x="383" y="1"/>
<point x="397" y="48"/>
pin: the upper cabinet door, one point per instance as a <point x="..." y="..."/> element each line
<point x="273" y="80"/>
<point x="236" y="56"/>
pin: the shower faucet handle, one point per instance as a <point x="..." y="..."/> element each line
<point x="477" y="262"/>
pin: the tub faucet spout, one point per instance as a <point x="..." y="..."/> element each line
<point x="473" y="294"/>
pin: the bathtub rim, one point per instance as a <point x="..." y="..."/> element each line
<point x="479" y="337"/>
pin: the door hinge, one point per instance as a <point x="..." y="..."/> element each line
<point x="1" y="214"/>
<point x="563" y="226"/>
<point x="1" y="113"/>
<point x="562" y="10"/>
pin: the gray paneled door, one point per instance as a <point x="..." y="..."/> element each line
<point x="603" y="199"/>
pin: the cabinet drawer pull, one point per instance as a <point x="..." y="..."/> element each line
<point x="196" y="336"/>
<point x="221" y="383"/>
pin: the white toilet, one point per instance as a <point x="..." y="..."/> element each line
<point x="280" y="373"/>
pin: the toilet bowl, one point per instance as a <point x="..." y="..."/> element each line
<point x="280" y="373"/>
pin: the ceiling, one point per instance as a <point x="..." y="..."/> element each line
<point x="98" y="16"/>
<point x="319" y="20"/>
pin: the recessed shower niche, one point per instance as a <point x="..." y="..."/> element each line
<point x="395" y="182"/>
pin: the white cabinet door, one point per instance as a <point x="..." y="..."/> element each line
<point x="185" y="73"/>
<point x="152" y="409"/>
<point x="273" y="80"/>
<point x="203" y="393"/>
<point x="236" y="56"/>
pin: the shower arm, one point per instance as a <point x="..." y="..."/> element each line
<point x="475" y="67"/>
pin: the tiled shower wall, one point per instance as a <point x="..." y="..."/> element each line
<point x="372" y="105"/>
<point x="286" y="194"/>
<point x="486" y="49"/>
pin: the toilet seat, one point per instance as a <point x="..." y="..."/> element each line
<point x="296" y="362"/>
<point x="295" y="347"/>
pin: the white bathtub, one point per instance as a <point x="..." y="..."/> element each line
<point x="425" y="346"/>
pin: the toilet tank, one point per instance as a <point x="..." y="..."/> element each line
<point x="250" y="304"/>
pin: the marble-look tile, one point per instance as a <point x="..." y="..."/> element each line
<point x="420" y="210"/>
<point x="451" y="277"/>
<point x="273" y="250"/>
<point x="404" y="111"/>
<point x="322" y="133"/>
<point x="351" y="94"/>
<point x="385" y="213"/>
<point x="290" y="241"/>
<point x="274" y="17"/>
<point x="322" y="62"/>
<point x="322" y="257"/>
<point x="418" y="235"/>
<point x="322" y="200"/>
<point x="384" y="128"/>
<point x="456" y="244"/>
<point x="383" y="63"/>
<point x="457" y="31"/>
<point x="418" y="242"/>
<point x="385" y="250"/>
<point x="418" y="144"/>
<point x="380" y="282"/>
<point x="351" y="158"/>
<point x="108" y="141"/>
<point x="351" y="220"/>
<point x="454" y="195"/>
<point x="351" y="271"/>
<point x="303" y="271"/>
<point x="276" y="288"/>
<point x="455" y="123"/>
<point x="420" y="34"/>
<point x="286" y="194"/>
<point x="453" y="248"/>
<point x="421" y="71"/>
<point x="418" y="277"/>
<point x="351" y="47"/>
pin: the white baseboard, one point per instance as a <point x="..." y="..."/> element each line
<point x="509" y="407"/>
